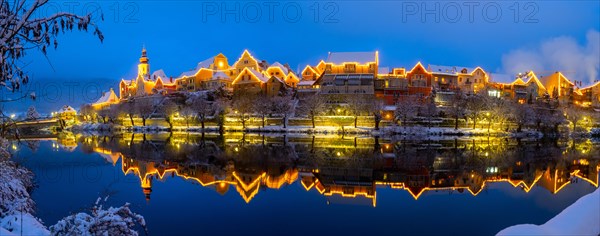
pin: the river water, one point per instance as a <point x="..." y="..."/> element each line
<point x="298" y="184"/>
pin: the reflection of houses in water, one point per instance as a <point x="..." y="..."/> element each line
<point x="346" y="169"/>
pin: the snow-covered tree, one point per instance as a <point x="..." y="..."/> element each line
<point x="574" y="114"/>
<point x="375" y="107"/>
<point x="406" y="108"/>
<point x="20" y="31"/>
<point x="356" y="106"/>
<point x="429" y="111"/>
<point x="243" y="105"/>
<point x="476" y="104"/>
<point x="283" y="106"/>
<point x="457" y="107"/>
<point x="263" y="107"/>
<point x="168" y="108"/>
<point x="111" y="221"/>
<point x="521" y="115"/>
<point x="313" y="106"/>
<point x="32" y="113"/>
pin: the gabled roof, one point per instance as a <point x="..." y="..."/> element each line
<point x="66" y="108"/>
<point x="260" y="76"/>
<point x="158" y="74"/>
<point x="279" y="65"/>
<point x="246" y="52"/>
<point x="309" y="67"/>
<point x="358" y="57"/>
<point x="275" y="78"/>
<point x="109" y="96"/>
<point x="532" y="78"/>
<point x="591" y="86"/>
<point x="546" y="78"/>
<point x="418" y="65"/>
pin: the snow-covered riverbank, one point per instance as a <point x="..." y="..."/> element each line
<point x="410" y="132"/>
<point x="581" y="218"/>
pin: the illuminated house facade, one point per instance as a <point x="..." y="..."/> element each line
<point x="559" y="87"/>
<point x="348" y="73"/>
<point x="590" y="96"/>
<point x="525" y="88"/>
<point x="211" y="73"/>
<point x="453" y="78"/>
<point x="107" y="99"/>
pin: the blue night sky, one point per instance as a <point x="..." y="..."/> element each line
<point x="179" y="34"/>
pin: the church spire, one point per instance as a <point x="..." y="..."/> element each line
<point x="144" y="66"/>
<point x="144" y="58"/>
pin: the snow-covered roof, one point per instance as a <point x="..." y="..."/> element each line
<point x="306" y="82"/>
<point x="359" y="57"/>
<point x="438" y="69"/>
<point x="502" y="78"/>
<point x="283" y="68"/>
<point x="259" y="75"/>
<point x="109" y="96"/>
<point x="159" y="73"/>
<point x="449" y="70"/>
<point x="66" y="108"/>
<point x="203" y="64"/>
<point x="220" y="75"/>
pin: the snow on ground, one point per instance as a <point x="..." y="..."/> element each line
<point x="580" y="218"/>
<point x="28" y="225"/>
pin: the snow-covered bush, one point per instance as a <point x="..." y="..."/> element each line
<point x="111" y="221"/>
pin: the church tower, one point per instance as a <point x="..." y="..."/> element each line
<point x="144" y="67"/>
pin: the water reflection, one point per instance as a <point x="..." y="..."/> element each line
<point x="345" y="169"/>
